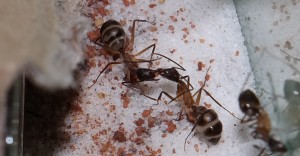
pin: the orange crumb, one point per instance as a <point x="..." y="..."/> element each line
<point x="93" y="35"/>
<point x="101" y="95"/>
<point x="152" y="5"/>
<point x="139" y="122"/>
<point x="202" y="40"/>
<point x="171" y="127"/>
<point x="196" y="146"/>
<point x="171" y="27"/>
<point x="126" y="100"/>
<point x="170" y="113"/>
<point x="207" y="76"/>
<point x="112" y="108"/>
<point x="140" y="130"/>
<point x="164" y="135"/>
<point x="102" y="11"/>
<point x="146" y="113"/>
<point x="151" y="121"/>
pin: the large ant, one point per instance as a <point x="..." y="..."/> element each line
<point x="253" y="111"/>
<point x="205" y="120"/>
<point x="113" y="39"/>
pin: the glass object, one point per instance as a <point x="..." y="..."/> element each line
<point x="271" y="31"/>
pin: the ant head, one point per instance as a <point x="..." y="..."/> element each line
<point x="249" y="103"/>
<point x="276" y="145"/>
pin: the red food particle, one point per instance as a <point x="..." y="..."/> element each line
<point x="174" y="19"/>
<point x="126" y="2"/>
<point x="186" y="30"/>
<point x="170" y="113"/>
<point x="171" y="127"/>
<point x="140" y="130"/>
<point x="138" y="141"/>
<point x="126" y="100"/>
<point x="93" y="35"/>
<point x="146" y="113"/>
<point x="102" y="11"/>
<point x="171" y="27"/>
<point x="139" y="122"/>
<point x="119" y="136"/>
<point x="164" y="135"/>
<point x="200" y="66"/>
<point x="207" y="77"/>
<point x="152" y="5"/>
<point x="151" y="121"/>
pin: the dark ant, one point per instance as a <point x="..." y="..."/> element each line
<point x="252" y="109"/>
<point x="113" y="39"/>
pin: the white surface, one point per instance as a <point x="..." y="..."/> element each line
<point x="216" y="22"/>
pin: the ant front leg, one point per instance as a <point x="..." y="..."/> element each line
<point x="111" y="63"/>
<point x="131" y="42"/>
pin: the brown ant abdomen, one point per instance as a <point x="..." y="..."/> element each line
<point x="113" y="36"/>
<point x="249" y="103"/>
<point x="208" y="123"/>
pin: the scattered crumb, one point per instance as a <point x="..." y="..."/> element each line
<point x="171" y="127"/>
<point x="125" y="99"/>
<point x="288" y="45"/>
<point x="171" y="27"/>
<point x="164" y="135"/>
<point x="196" y="146"/>
<point x="207" y="77"/>
<point x="202" y="40"/>
<point x="201" y="65"/>
<point x="98" y="22"/>
<point x="146" y="112"/>
<point x="119" y="136"/>
<point x="152" y="5"/>
<point x="139" y="122"/>
<point x="161" y="1"/>
<point x="101" y="95"/>
<point x="237" y="53"/>
<point x="93" y="35"/>
<point x="140" y="130"/>
<point x="151" y="121"/>
<point x="170" y="113"/>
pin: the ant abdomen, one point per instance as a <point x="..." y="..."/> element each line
<point x="249" y="103"/>
<point x="208" y="123"/>
<point x="113" y="36"/>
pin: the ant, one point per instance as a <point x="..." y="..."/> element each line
<point x="113" y="40"/>
<point x="250" y="106"/>
<point x="205" y="120"/>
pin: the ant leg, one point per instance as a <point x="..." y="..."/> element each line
<point x="220" y="104"/>
<point x="131" y="42"/>
<point x="141" y="52"/>
<point x="111" y="63"/>
<point x="195" y="125"/>
<point x="187" y="79"/>
<point x="128" y="84"/>
<point x="167" y="94"/>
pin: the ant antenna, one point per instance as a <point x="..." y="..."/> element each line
<point x="181" y="68"/>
